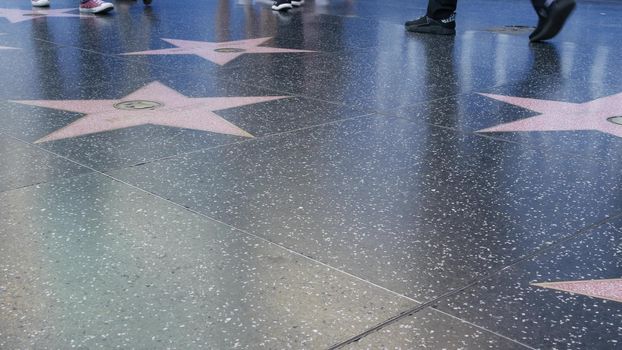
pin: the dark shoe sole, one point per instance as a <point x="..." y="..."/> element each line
<point x="409" y="23"/>
<point x="555" y="22"/>
<point x="431" y="30"/>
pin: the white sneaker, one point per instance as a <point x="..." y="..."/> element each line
<point x="40" y="3"/>
<point x="96" y="6"/>
<point x="281" y="5"/>
<point x="298" y="2"/>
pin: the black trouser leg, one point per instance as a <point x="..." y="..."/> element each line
<point x="538" y="3"/>
<point x="439" y="9"/>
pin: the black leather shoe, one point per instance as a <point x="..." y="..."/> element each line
<point x="429" y="25"/>
<point x="551" y="19"/>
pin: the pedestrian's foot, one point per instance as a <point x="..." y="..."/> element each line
<point x="281" y="5"/>
<point x="40" y="3"/>
<point x="551" y="19"/>
<point x="425" y="24"/>
<point x="297" y="3"/>
<point x="96" y="6"/>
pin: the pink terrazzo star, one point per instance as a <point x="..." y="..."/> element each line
<point x="154" y="104"/>
<point x="603" y="114"/>
<point x="16" y="15"/>
<point x="219" y="53"/>
<point x="610" y="289"/>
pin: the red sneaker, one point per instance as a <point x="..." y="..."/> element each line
<point x="96" y="6"/>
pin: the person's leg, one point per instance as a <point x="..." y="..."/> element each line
<point x="95" y="6"/>
<point x="552" y="15"/>
<point x="439" y="19"/>
<point x="441" y="9"/>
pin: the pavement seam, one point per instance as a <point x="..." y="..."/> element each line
<point x="205" y="216"/>
<point x="531" y="147"/>
<point x="482" y="328"/>
<point x="289" y="250"/>
<point x="254" y="139"/>
<point x="536" y="252"/>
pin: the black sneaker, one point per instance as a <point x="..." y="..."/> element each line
<point x="429" y="25"/>
<point x="551" y="19"/>
<point x="281" y="5"/>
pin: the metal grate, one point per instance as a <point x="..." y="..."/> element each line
<point x="616" y="120"/>
<point x="137" y="105"/>
<point x="229" y="50"/>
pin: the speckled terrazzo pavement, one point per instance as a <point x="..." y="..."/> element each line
<point x="215" y="175"/>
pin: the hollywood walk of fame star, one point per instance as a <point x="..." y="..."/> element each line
<point x="610" y="289"/>
<point x="603" y="114"/>
<point x="154" y="104"/>
<point x="219" y="53"/>
<point x="16" y="15"/>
